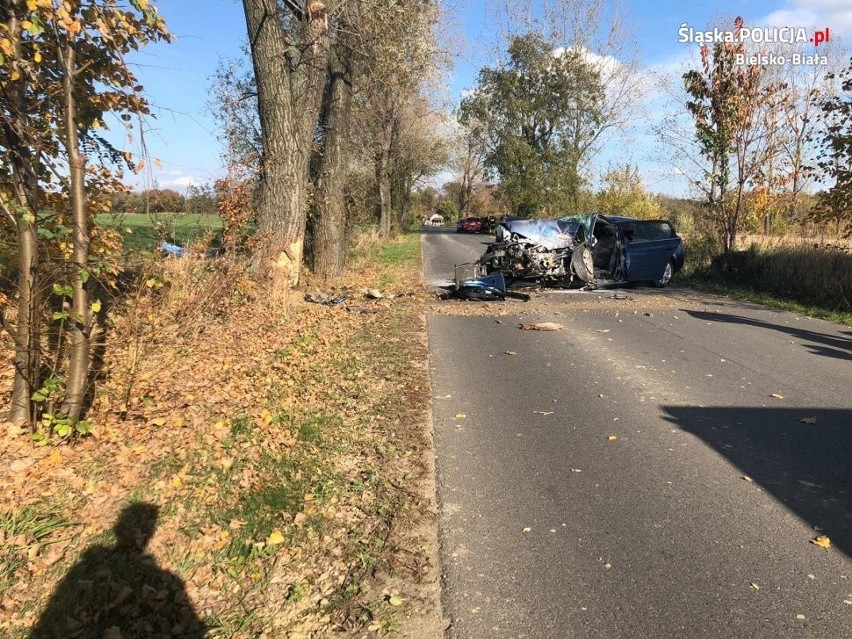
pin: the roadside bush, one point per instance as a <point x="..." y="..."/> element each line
<point x="821" y="276"/>
<point x="449" y="209"/>
<point x="700" y="252"/>
<point x="685" y="214"/>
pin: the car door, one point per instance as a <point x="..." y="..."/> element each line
<point x="649" y="249"/>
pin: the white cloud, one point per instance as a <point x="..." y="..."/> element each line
<point x="662" y="94"/>
<point x="606" y="65"/>
<point x="181" y="182"/>
<point x="814" y="14"/>
<point x="438" y="180"/>
<point x="174" y="179"/>
<point x="684" y="58"/>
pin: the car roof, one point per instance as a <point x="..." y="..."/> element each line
<point x="618" y="219"/>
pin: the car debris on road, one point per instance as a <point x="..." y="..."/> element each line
<point x="472" y="285"/>
<point x="372" y="294"/>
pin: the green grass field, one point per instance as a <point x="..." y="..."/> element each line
<point x="143" y="232"/>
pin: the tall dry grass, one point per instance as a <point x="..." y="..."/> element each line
<point x="813" y="274"/>
<point x="810" y="239"/>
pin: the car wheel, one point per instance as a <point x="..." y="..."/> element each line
<point x="582" y="263"/>
<point x="666" y="277"/>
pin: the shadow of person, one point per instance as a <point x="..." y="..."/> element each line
<point x="119" y="592"/>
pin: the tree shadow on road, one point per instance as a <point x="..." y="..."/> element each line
<point x="806" y="466"/>
<point x="119" y="592"/>
<point x="821" y="343"/>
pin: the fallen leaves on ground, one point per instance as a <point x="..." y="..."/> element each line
<point x="275" y="538"/>
<point x="216" y="393"/>
<point x="612" y="438"/>
<point x="808" y="420"/>
<point x="822" y="541"/>
<point x="776" y="396"/>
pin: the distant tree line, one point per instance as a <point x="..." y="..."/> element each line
<point x="199" y="199"/>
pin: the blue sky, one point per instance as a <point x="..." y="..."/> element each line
<point x="177" y="76"/>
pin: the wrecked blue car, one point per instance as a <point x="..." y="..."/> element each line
<point x="593" y="248"/>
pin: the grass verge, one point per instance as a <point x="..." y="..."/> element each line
<point x="767" y="299"/>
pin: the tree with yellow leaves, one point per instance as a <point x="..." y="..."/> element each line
<point x="62" y="70"/>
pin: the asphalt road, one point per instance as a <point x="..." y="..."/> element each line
<point x="695" y="521"/>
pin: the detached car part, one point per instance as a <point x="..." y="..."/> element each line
<point x="471" y="284"/>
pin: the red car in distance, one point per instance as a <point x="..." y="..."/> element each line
<point x="469" y="225"/>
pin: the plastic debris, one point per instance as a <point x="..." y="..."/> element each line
<point x="326" y="300"/>
<point x="541" y="326"/>
<point x="173" y="249"/>
<point x="484" y="288"/>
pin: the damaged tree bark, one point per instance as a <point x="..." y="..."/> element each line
<point x="289" y="52"/>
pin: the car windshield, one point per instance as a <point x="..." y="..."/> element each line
<point x="570" y="223"/>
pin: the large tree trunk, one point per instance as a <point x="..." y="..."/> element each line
<point x="404" y="182"/>
<point x="404" y="206"/>
<point x="289" y="93"/>
<point x="330" y="241"/>
<point x="384" y="183"/>
<point x="80" y="321"/>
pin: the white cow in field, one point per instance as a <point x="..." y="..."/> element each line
<point x="436" y="220"/>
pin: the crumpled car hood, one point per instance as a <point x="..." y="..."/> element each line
<point x="551" y="234"/>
